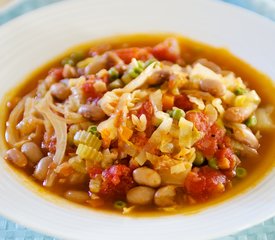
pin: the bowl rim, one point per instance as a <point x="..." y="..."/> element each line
<point x="32" y="16"/>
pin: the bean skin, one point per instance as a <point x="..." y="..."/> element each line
<point x="165" y="196"/>
<point x="41" y="168"/>
<point x="146" y="176"/>
<point x="140" y="195"/>
<point x="214" y="87"/>
<point x="32" y="152"/>
<point x="236" y="114"/>
<point x="92" y="111"/>
<point x="60" y="91"/>
<point x="16" y="157"/>
<point x="77" y="196"/>
<point x="214" y="67"/>
<point x="244" y="135"/>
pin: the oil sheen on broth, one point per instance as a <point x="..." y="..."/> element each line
<point x="256" y="167"/>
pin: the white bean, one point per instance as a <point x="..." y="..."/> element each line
<point x="214" y="87"/>
<point x="32" y="152"/>
<point x="244" y="135"/>
<point x="16" y="157"/>
<point x="165" y="196"/>
<point x="236" y="114"/>
<point x="77" y="196"/>
<point x="146" y="176"/>
<point x="98" y="62"/>
<point x="41" y="168"/>
<point x="140" y="195"/>
<point x="213" y="66"/>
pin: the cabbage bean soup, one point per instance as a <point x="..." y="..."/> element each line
<point x="140" y="123"/>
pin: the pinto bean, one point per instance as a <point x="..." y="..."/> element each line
<point x="32" y="152"/>
<point x="41" y="168"/>
<point x="165" y="196"/>
<point x="146" y="176"/>
<point x="214" y="87"/>
<point x="158" y="77"/>
<point x="16" y="157"/>
<point x="77" y="196"/>
<point x="60" y="91"/>
<point x="236" y="114"/>
<point x="140" y="195"/>
<point x="92" y="111"/>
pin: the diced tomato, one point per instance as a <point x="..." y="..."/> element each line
<point x="148" y="110"/>
<point x="57" y="73"/>
<point x="182" y="102"/>
<point x="199" y="119"/>
<point x="226" y="153"/>
<point x="217" y="133"/>
<point x="89" y="90"/>
<point x="117" y="180"/>
<point x="126" y="54"/>
<point x="93" y="171"/>
<point x="209" y="144"/>
<point x="168" y="50"/>
<point x="202" y="183"/>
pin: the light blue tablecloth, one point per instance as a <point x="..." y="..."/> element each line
<point x="12" y="231"/>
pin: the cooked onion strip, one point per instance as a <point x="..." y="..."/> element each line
<point x="59" y="125"/>
<point x="11" y="135"/>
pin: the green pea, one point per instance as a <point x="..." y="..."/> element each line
<point x="251" y="122"/>
<point x="199" y="159"/>
<point x="119" y="205"/>
<point x="241" y="172"/>
<point x="93" y="129"/>
<point x="240" y="91"/>
<point x="114" y="74"/>
<point x="116" y="84"/>
<point x="212" y="162"/>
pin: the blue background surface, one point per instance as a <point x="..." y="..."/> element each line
<point x="12" y="231"/>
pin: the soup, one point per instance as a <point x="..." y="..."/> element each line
<point x="142" y="123"/>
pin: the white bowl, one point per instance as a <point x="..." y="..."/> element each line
<point x="35" y="38"/>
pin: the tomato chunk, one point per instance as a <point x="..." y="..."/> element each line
<point x="168" y="50"/>
<point x="117" y="180"/>
<point x="126" y="54"/>
<point x="202" y="183"/>
<point x="148" y="110"/>
<point x="57" y="73"/>
<point x="94" y="171"/>
<point x="182" y="102"/>
<point x="199" y="119"/>
<point x="89" y="90"/>
<point x="210" y="143"/>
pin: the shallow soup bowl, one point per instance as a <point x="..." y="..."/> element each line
<point x="32" y="40"/>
